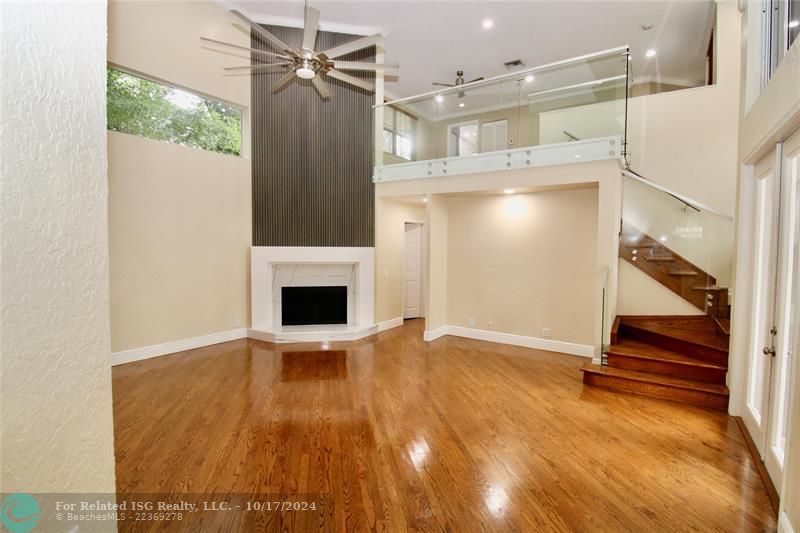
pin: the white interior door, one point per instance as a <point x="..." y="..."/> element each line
<point x="412" y="271"/>
<point x="787" y="317"/>
<point x="494" y="136"/>
<point x="759" y="364"/>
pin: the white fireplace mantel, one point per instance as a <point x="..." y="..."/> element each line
<point x="263" y="285"/>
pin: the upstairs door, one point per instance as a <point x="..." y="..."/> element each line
<point x="412" y="273"/>
<point x="494" y="136"/>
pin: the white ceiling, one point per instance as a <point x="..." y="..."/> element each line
<point x="431" y="40"/>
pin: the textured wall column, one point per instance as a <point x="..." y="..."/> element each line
<point x="55" y="367"/>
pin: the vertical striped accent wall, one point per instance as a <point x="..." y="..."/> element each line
<point x="312" y="158"/>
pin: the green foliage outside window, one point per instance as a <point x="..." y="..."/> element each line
<point x="142" y="107"/>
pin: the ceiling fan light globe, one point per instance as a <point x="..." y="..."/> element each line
<point x="305" y="73"/>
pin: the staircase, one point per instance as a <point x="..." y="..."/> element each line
<point x="679" y="358"/>
<point x="674" y="272"/>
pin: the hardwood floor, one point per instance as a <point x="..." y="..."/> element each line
<point x="391" y="434"/>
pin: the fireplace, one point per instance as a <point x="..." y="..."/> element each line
<point x="306" y="283"/>
<point x="304" y="306"/>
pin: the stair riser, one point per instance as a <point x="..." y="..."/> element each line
<point x="665" y="392"/>
<point x="667" y="368"/>
<point x="703" y="353"/>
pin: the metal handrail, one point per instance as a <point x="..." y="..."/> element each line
<point x="697" y="206"/>
<point x="515" y="74"/>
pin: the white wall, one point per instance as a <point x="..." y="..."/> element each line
<point x="687" y="140"/>
<point x="639" y="294"/>
<point x="55" y="376"/>
<point x="520" y="263"/>
<point x="684" y="140"/>
<point x="180" y="218"/>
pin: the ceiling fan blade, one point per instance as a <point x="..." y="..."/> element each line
<point x="283" y="81"/>
<point x="253" y="50"/>
<point x="352" y="46"/>
<point x="310" y="28"/>
<point x="443" y="84"/>
<point x="265" y="34"/>
<point x="341" y="76"/>
<point x="321" y="87"/>
<point x="259" y="66"/>
<point x="357" y="65"/>
<point x="476" y="79"/>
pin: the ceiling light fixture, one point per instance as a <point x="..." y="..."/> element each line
<point x="794" y="23"/>
<point x="305" y="72"/>
<point x="647" y="26"/>
<point x="439" y="98"/>
<point x="461" y="104"/>
<point x="529" y="78"/>
<point x="425" y="200"/>
<point x="508" y="191"/>
<point x="487" y="24"/>
<point x="650" y="53"/>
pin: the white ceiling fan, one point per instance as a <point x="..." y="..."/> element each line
<point x="306" y="63"/>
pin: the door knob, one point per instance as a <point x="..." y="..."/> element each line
<point x="769" y="351"/>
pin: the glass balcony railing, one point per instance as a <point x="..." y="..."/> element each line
<point x="574" y="100"/>
<point x="682" y="245"/>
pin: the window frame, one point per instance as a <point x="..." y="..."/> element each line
<point x="244" y="119"/>
<point x="775" y="33"/>
<point x="393" y="131"/>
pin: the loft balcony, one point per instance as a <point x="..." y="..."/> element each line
<point x="565" y="112"/>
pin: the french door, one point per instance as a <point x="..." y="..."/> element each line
<point x="775" y="311"/>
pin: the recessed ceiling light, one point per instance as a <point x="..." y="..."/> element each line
<point x="461" y="104"/>
<point x="650" y="53"/>
<point x="439" y="98"/>
<point x="425" y="200"/>
<point x="663" y="238"/>
<point x="577" y="156"/>
<point x="529" y="78"/>
<point x="487" y="24"/>
<point x="794" y="23"/>
<point x="508" y="191"/>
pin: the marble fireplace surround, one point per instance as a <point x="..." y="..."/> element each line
<point x="273" y="267"/>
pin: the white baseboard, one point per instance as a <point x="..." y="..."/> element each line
<point x="583" y="350"/>
<point x="156" y="350"/>
<point x="435" y="333"/>
<point x="391" y="323"/>
<point x="784" y="526"/>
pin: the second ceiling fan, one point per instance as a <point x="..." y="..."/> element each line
<point x="306" y="63"/>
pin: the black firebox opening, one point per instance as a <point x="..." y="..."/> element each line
<point x="302" y="306"/>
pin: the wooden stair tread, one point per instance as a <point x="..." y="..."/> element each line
<point x="659" y="379"/>
<point x="641" y="350"/>
<point x="712" y="288"/>
<point x="659" y="258"/>
<point x="682" y="273"/>
<point x="700" y="330"/>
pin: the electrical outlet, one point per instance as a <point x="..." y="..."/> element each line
<point x="472" y="322"/>
<point x="489" y="324"/>
<point x="547" y="333"/>
<point x="237" y="323"/>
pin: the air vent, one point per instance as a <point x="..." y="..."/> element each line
<point x="514" y="64"/>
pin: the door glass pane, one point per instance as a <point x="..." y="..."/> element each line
<point x="793" y="21"/>
<point x="786" y="355"/>
<point x="762" y="299"/>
